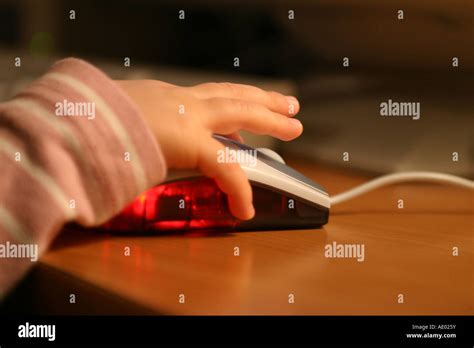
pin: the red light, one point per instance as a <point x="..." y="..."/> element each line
<point x="198" y="203"/>
<point x="183" y="205"/>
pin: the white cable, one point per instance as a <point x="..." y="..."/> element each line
<point x="401" y="177"/>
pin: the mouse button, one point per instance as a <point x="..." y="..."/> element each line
<point x="272" y="154"/>
<point x="290" y="173"/>
<point x="273" y="163"/>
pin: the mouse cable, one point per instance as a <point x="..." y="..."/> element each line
<point x="401" y="177"/>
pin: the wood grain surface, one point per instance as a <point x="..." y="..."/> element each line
<point x="408" y="251"/>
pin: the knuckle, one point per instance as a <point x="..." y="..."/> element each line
<point x="262" y="94"/>
<point x="204" y="90"/>
<point x="233" y="89"/>
<point x="241" y="107"/>
<point x="275" y="98"/>
<point x="207" y="85"/>
<point x="235" y="107"/>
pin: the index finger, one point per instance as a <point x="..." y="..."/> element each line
<point x="277" y="102"/>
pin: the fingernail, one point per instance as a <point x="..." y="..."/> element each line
<point x="251" y="211"/>
<point x="293" y="105"/>
<point x="295" y="122"/>
<point x="291" y="100"/>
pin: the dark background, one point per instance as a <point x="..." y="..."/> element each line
<point x="405" y="60"/>
<point x="259" y="32"/>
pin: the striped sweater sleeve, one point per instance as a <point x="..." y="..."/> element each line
<point x="73" y="148"/>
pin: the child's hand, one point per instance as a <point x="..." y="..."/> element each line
<point x="183" y="120"/>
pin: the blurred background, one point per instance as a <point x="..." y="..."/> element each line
<point x="295" y="47"/>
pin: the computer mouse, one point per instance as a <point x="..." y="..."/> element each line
<point x="283" y="198"/>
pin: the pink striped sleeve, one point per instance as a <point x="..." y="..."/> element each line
<point x="73" y="147"/>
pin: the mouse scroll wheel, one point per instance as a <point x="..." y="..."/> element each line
<point x="272" y="154"/>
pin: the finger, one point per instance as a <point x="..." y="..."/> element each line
<point x="277" y="102"/>
<point x="230" y="178"/>
<point x="235" y="136"/>
<point x="230" y="115"/>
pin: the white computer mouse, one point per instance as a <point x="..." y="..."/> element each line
<point x="283" y="198"/>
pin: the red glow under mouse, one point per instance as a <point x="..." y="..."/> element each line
<point x="198" y="203"/>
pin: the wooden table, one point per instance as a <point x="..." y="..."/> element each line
<point x="408" y="251"/>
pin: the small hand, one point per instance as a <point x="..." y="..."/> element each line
<point x="183" y="120"/>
